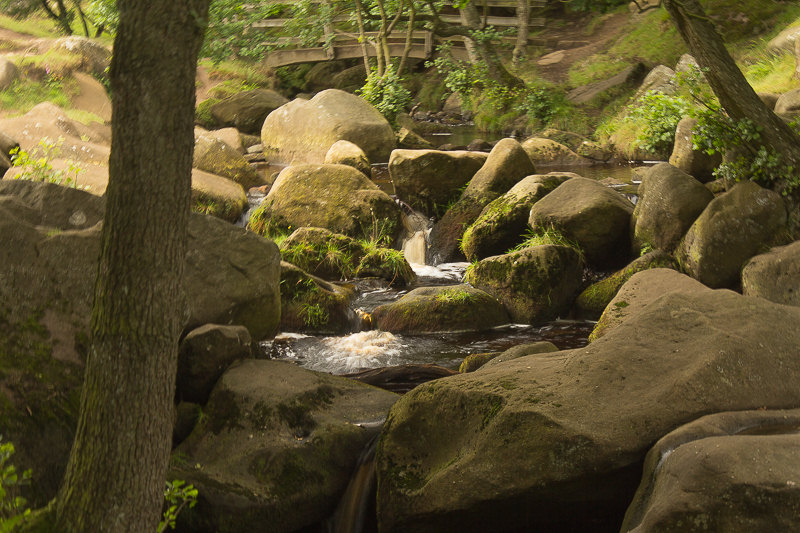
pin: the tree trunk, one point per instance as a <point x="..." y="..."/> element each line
<point x="729" y="84"/>
<point x="484" y="51"/>
<point x="115" y="476"/>
<point x="59" y="14"/>
<point x="362" y="35"/>
<point x="523" y="25"/>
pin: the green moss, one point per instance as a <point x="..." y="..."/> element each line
<point x="296" y="413"/>
<point x="202" y="115"/>
<point x="475" y="361"/>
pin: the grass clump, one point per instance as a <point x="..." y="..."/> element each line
<point x="545" y="236"/>
<point x="454" y="295"/>
<point x="24" y="94"/>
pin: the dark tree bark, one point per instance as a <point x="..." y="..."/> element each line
<point x="116" y="471"/>
<point x="484" y="51"/>
<point x="729" y="84"/>
<point x="58" y="13"/>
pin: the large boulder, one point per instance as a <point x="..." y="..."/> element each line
<point x="9" y="73"/>
<point x="276" y="447"/>
<point x="502" y="224"/>
<point x="670" y="200"/>
<point x="428" y="180"/>
<point x="95" y="59"/>
<point x="335" y="197"/>
<point x="733" y="228"/>
<point x="732" y="471"/>
<point x="232" y="277"/>
<point x="246" y="111"/>
<point x="784" y="41"/>
<point x="217" y="157"/>
<point x="555" y="442"/>
<point x="506" y="165"/>
<point x="591" y="214"/>
<point x="535" y="284"/>
<point x="685" y="157"/>
<point x="443" y="308"/>
<point x="595" y="298"/>
<point x="660" y="79"/>
<point x="774" y="275"/>
<point x="547" y="152"/>
<point x="304" y="130"/>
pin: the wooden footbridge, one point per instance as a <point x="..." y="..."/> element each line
<point x="340" y="44"/>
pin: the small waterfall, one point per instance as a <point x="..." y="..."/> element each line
<point x="414" y="240"/>
<point x="356" y="507"/>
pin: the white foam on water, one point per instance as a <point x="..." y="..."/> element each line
<point x="366" y="349"/>
<point x="446" y="271"/>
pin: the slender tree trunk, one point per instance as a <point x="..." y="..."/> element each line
<point x="115" y="476"/>
<point x="409" y="38"/>
<point x="484" y="51"/>
<point x="729" y="84"/>
<point x="523" y="25"/>
<point x="59" y="14"/>
<point x="362" y="34"/>
<point x="82" y="17"/>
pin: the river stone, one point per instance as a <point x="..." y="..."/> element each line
<point x="642" y="289"/>
<point x="556" y="442"/>
<point x="631" y="75"/>
<point x="670" y="200"/>
<point x="428" y="180"/>
<point x="95" y="58"/>
<point x="659" y="80"/>
<point x="336" y="257"/>
<point x="788" y="104"/>
<point x="591" y="214"/>
<point x="229" y="136"/>
<point x="9" y="73"/>
<point x="774" y="275"/>
<point x="546" y="152"/>
<point x="502" y="224"/>
<point x="304" y="130"/>
<point x="734" y="471"/>
<point x="442" y="308"/>
<point x="733" y="228"/>
<point x="595" y="298"/>
<point x="217" y="157"/>
<point x="204" y="354"/>
<point x="311" y="304"/>
<point x="685" y="157"/>
<point x="59" y="207"/>
<point x="769" y="99"/>
<point x="506" y="165"/>
<point x="521" y="350"/>
<point x="535" y="284"/>
<point x="346" y="153"/>
<point x="567" y="138"/>
<point x="232" y="277"/>
<point x="247" y="110"/>
<point x="335" y="197"/>
<point x="784" y="41"/>
<point x="276" y="448"/>
<point x="411" y="140"/>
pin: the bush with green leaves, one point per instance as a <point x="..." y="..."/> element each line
<point x="36" y="165"/>
<point x="177" y="496"/>
<point x="660" y="114"/>
<point x="386" y="92"/>
<point x="13" y="509"/>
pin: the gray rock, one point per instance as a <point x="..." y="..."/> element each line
<point x="8" y="73"/>
<point x="246" y="111"/>
<point x="346" y="153"/>
<point x="788" y="104"/>
<point x="629" y="76"/>
<point x="774" y="275"/>
<point x="218" y="157"/>
<point x="669" y="202"/>
<point x="546" y="152"/>
<point x="733" y="228"/>
<point x="696" y="163"/>
<point x="733" y="471"/>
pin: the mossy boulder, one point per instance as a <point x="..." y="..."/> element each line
<point x="230" y="136"/>
<point x="335" y="197"/>
<point x="443" y="308"/>
<point x="95" y="58"/>
<point x="311" y="304"/>
<point x="547" y="152"/>
<point x="276" y="447"/>
<point x="733" y="228"/>
<point x="247" y="110"/>
<point x="205" y="354"/>
<point x="502" y="224"/>
<point x="774" y="275"/>
<point x="304" y="130"/>
<point x="732" y="471"/>
<point x="593" y="215"/>
<point x="596" y="297"/>
<point x="217" y="196"/>
<point x="642" y="289"/>
<point x="333" y="256"/>
<point x="670" y="200"/>
<point x="217" y="157"/>
<point x="535" y="284"/>
<point x="428" y="180"/>
<point x="202" y="114"/>
<point x="506" y="165"/>
<point x="346" y="153"/>
<point x="555" y="442"/>
<point x="685" y="157"/>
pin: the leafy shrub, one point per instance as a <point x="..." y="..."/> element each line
<point x="13" y="510"/>
<point x="36" y="166"/>
<point x="177" y="495"/>
<point x="386" y="93"/>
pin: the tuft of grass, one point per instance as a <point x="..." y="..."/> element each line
<point x="244" y="71"/>
<point x="454" y="295"/>
<point x="25" y="93"/>
<point x="595" y="68"/>
<point x="546" y="236"/>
